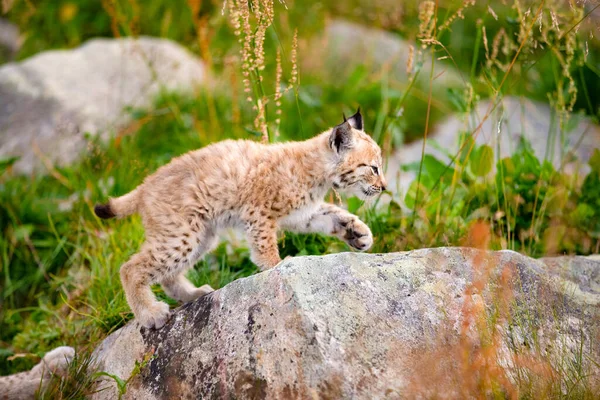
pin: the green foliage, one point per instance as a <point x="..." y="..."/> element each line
<point x="78" y="384"/>
<point x="523" y="184"/>
<point x="524" y="202"/>
<point x="68" y="23"/>
<point x="122" y="384"/>
<point x="587" y="213"/>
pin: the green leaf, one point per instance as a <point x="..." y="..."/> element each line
<point x="121" y="384"/>
<point x="354" y="203"/>
<point x="481" y="160"/>
<point x="433" y="170"/>
<point x="506" y="166"/>
<point x="411" y="194"/>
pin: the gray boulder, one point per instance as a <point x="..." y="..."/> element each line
<point x="357" y="326"/>
<point x="513" y="118"/>
<point x="48" y="102"/>
<point x="10" y="40"/>
<point x="346" y="45"/>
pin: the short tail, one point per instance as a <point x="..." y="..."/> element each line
<point x="118" y="207"/>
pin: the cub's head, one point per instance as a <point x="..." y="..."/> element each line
<point x="358" y="162"/>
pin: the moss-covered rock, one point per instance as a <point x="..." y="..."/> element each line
<point x="359" y="325"/>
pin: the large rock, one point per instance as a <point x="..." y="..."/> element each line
<point x="48" y="102"/>
<point x="10" y="40"/>
<point x="347" y="45"/>
<point x="513" y="118"/>
<point x="357" y="325"/>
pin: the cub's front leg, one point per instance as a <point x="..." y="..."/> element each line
<point x="262" y="237"/>
<point x="332" y="220"/>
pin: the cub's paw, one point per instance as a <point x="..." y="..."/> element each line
<point x="358" y="235"/>
<point x="57" y="361"/>
<point x="155" y="316"/>
<point x="202" y="291"/>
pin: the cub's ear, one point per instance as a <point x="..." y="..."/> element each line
<point x="341" y="138"/>
<point x="356" y="120"/>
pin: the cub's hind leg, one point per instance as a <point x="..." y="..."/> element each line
<point x="179" y="287"/>
<point x="137" y="274"/>
<point x="165" y="256"/>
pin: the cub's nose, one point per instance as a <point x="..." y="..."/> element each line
<point x="382" y="184"/>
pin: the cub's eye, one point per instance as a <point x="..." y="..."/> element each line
<point x="375" y="170"/>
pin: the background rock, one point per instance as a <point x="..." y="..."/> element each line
<point x="350" y="325"/>
<point x="514" y="117"/>
<point x="10" y="40"/>
<point x="347" y="45"/>
<point x="49" y="101"/>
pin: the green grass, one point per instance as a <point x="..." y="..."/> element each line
<point x="59" y="276"/>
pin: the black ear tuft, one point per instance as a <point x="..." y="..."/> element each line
<point x="356" y="120"/>
<point x="341" y="137"/>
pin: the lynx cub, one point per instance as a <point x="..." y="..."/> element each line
<point x="258" y="188"/>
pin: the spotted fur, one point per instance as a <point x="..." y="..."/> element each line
<point x="255" y="187"/>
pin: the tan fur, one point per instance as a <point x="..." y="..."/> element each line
<point x="258" y="188"/>
<point x="24" y="385"/>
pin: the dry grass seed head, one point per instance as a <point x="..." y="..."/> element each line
<point x="459" y="13"/>
<point x="295" y="79"/>
<point x="427" y="21"/>
<point x="411" y="59"/>
<point x="278" y="93"/>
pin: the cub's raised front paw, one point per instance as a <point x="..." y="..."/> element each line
<point x="358" y="235"/>
<point x="155" y="316"/>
